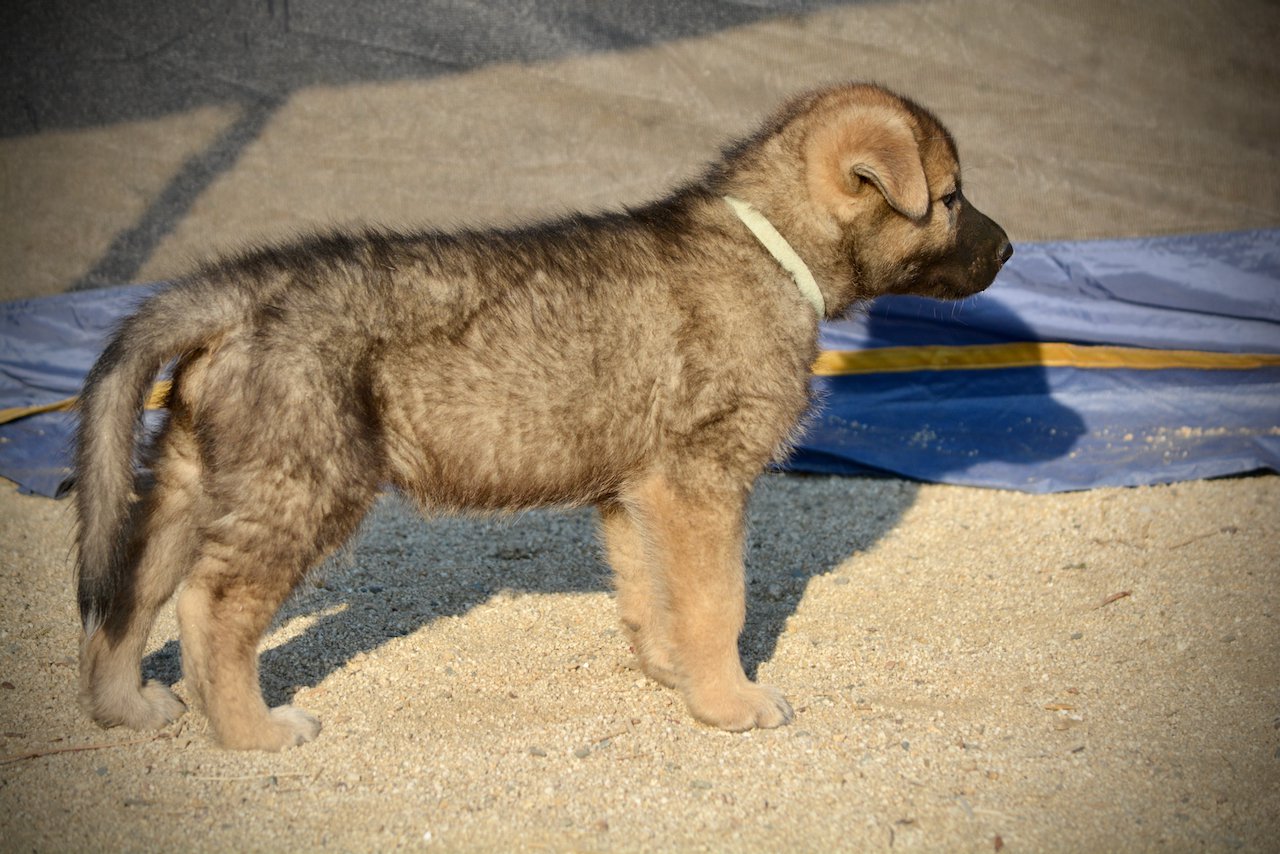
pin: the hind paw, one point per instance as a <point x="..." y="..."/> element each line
<point x="281" y="727"/>
<point x="150" y="707"/>
<point x="163" y="705"/>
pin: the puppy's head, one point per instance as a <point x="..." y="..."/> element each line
<point x="879" y="206"/>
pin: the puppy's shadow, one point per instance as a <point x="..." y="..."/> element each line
<point x="404" y="572"/>
<point x="801" y="527"/>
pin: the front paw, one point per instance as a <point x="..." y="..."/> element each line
<point x="742" y="706"/>
<point x="657" y="666"/>
<point x="653" y="657"/>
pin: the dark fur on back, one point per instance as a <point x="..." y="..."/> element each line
<point x="346" y="296"/>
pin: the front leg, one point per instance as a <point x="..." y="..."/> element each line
<point x="693" y="533"/>
<point x="640" y="596"/>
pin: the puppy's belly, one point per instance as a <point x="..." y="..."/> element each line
<point x="459" y="455"/>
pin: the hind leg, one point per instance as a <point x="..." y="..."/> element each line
<point x="111" y="686"/>
<point x="222" y="612"/>
<point x="250" y="561"/>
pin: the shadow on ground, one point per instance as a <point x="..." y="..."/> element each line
<point x="402" y="572"/>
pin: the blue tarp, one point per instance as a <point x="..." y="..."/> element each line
<point x="1052" y="429"/>
<point x="1038" y="428"/>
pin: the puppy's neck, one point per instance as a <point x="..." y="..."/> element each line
<point x="782" y="252"/>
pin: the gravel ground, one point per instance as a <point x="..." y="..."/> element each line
<point x="972" y="670"/>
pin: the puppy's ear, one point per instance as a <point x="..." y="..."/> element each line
<point x="871" y="144"/>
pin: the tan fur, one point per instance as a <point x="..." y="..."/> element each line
<point x="872" y="143"/>
<point x="650" y="363"/>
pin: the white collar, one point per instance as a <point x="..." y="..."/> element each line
<point x="782" y="252"/>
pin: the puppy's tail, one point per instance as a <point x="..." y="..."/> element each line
<point x="169" y="324"/>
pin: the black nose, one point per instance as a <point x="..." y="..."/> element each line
<point x="1007" y="252"/>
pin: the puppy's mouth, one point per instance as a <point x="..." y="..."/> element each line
<point x="957" y="282"/>
<point x="979" y="250"/>
<point x="959" y="279"/>
<point x="956" y="290"/>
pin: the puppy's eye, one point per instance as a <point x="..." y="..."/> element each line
<point x="950" y="200"/>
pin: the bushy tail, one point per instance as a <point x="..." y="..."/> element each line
<point x="173" y="322"/>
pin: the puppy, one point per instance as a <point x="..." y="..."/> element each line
<point x="650" y="363"/>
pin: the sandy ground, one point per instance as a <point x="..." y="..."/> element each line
<point x="973" y="670"/>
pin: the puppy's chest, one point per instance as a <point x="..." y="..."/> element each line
<point x="750" y="401"/>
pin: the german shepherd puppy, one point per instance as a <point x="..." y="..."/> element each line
<point x="650" y="363"/>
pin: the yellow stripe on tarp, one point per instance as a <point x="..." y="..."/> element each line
<point x="888" y="360"/>
<point x="1030" y="354"/>
<point x="159" y="399"/>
